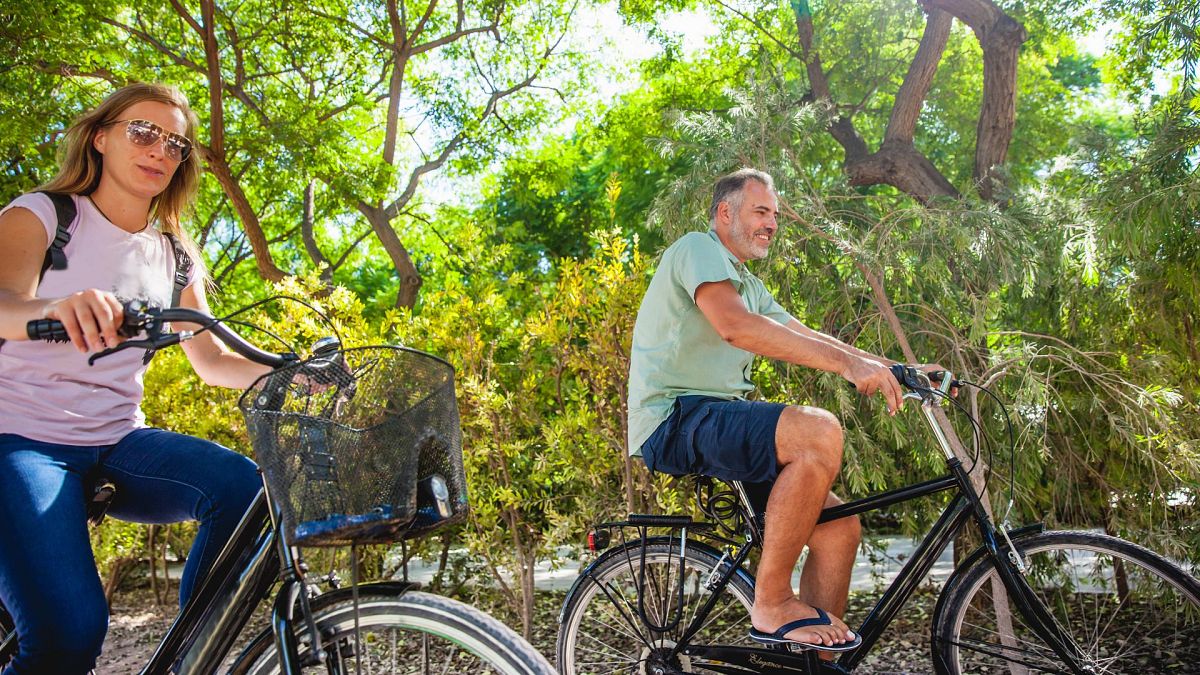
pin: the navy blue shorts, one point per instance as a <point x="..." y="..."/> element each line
<point x="728" y="440"/>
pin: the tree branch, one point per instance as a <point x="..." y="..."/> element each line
<point x="187" y="16"/>
<point x="1001" y="38"/>
<point x="912" y="93"/>
<point x="306" y="229"/>
<point x="212" y="59"/>
<point x="349" y="249"/>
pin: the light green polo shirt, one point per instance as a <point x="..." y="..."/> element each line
<point x="676" y="351"/>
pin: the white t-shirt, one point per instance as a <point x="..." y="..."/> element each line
<point x="47" y="390"/>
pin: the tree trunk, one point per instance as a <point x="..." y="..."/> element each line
<point x="998" y="113"/>
<point x="306" y="234"/>
<point x="897" y="162"/>
<point x="410" y="280"/>
<point x="151" y="546"/>
<point x="116" y="574"/>
<point x="443" y="559"/>
<point x="902" y="166"/>
<point x="249" y="219"/>
<point x="214" y="154"/>
<point x="527" y="562"/>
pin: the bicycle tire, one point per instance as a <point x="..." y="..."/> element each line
<point x="596" y="634"/>
<point x="8" y="637"/>
<point x="425" y="633"/>
<point x="1145" y="619"/>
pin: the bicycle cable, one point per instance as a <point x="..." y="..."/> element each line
<point x="986" y="441"/>
<point x="1012" y="445"/>
<point x="980" y="439"/>
<point x="324" y="317"/>
<point x="235" y="322"/>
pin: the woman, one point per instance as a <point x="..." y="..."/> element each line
<point x="129" y="167"/>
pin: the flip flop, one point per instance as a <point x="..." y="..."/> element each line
<point x="821" y="619"/>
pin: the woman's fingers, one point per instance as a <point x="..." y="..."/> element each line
<point x="91" y="319"/>
<point x="66" y="316"/>
<point x="116" y="318"/>
<point x="89" y="325"/>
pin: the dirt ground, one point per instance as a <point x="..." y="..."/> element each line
<point x="137" y="624"/>
<point x="133" y="632"/>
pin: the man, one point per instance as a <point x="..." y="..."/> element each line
<point x="703" y="319"/>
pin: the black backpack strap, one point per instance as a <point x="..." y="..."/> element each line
<point x="183" y="267"/>
<point x="64" y="208"/>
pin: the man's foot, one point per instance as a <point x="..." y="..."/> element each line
<point x="823" y="631"/>
<point x="779" y="637"/>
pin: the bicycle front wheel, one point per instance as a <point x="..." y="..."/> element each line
<point x="1127" y="609"/>
<point x="601" y="630"/>
<point x="8" y="637"/>
<point x="407" y="634"/>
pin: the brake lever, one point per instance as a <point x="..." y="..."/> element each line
<point x="919" y="385"/>
<point x="151" y="345"/>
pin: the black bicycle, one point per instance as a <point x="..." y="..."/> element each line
<point x="1027" y="601"/>
<point x="356" y="446"/>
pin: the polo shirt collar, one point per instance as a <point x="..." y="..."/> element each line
<point x="728" y="254"/>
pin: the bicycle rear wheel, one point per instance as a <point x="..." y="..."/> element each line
<point x="406" y="634"/>
<point x="600" y="631"/>
<point x="1127" y="608"/>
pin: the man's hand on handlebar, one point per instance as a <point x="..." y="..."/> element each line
<point x="92" y="319"/>
<point x="936" y="373"/>
<point x="869" y="376"/>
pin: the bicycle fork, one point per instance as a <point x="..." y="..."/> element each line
<point x="1010" y="567"/>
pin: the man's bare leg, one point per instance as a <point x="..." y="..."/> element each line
<point x="832" y="548"/>
<point x="809" y="449"/>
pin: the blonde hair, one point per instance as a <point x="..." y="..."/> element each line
<point x="80" y="164"/>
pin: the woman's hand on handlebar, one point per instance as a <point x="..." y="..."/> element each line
<point x="91" y="319"/>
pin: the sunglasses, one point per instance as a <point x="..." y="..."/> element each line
<point x="146" y="134"/>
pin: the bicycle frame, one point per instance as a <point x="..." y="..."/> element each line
<point x="242" y="576"/>
<point x="253" y="559"/>
<point x="964" y="506"/>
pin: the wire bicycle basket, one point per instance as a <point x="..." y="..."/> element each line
<point x="360" y="447"/>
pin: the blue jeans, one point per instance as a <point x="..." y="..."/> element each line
<point x="48" y="578"/>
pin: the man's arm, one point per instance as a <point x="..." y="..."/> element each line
<point x="836" y="343"/>
<point x="724" y="309"/>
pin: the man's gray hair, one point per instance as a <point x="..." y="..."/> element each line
<point x="730" y="189"/>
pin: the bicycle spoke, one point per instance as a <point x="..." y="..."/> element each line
<point x="673" y="589"/>
<point x="1123" y="608"/>
<point x="1005" y="652"/>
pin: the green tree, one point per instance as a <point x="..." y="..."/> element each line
<point x="365" y="100"/>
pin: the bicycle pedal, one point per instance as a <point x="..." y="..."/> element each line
<point x="102" y="495"/>
<point x="794" y="648"/>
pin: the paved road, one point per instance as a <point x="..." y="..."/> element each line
<point x="876" y="568"/>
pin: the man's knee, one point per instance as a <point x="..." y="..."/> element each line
<point x="808" y="433"/>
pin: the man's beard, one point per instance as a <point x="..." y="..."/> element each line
<point x="755" y="248"/>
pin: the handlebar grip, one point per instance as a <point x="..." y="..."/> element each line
<point x="49" y="330"/>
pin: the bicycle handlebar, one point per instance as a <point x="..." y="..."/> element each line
<point x="139" y="317"/>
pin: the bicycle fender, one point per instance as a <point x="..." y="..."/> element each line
<point x="390" y="588"/>
<point x="586" y="573"/>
